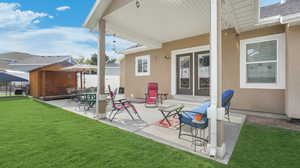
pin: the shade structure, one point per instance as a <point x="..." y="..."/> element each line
<point x="5" y="77"/>
<point x="80" y="68"/>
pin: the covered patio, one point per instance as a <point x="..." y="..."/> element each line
<point x="152" y="24"/>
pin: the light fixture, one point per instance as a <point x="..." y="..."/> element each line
<point x="138" y="3"/>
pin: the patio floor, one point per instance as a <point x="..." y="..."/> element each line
<point x="149" y="127"/>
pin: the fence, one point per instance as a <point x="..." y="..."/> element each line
<point x="13" y="88"/>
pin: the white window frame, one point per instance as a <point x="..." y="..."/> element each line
<point x="147" y="57"/>
<point x="280" y="74"/>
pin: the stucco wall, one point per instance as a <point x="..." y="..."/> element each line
<point x="266" y="100"/>
<point x="293" y="71"/>
<point x="122" y="72"/>
<point x="247" y="99"/>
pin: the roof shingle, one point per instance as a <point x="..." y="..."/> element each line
<point x="284" y="9"/>
<point x="27" y="62"/>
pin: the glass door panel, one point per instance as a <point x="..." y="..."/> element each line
<point x="184" y="74"/>
<point x="202" y="74"/>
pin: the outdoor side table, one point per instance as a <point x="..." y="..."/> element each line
<point x="169" y="111"/>
<point x="198" y="134"/>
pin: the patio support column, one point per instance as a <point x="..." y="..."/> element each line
<point x="216" y="112"/>
<point x="44" y="83"/>
<point x="101" y="98"/>
<point x="81" y="81"/>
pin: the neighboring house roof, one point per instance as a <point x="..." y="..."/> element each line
<point x="27" y="62"/>
<point x="283" y="9"/>
<point x="8" y="77"/>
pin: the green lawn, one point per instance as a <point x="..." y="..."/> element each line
<point x="36" y="135"/>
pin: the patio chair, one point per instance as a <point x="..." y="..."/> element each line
<point x="151" y="97"/>
<point x="226" y="101"/>
<point x="120" y="105"/>
<point x="187" y="117"/>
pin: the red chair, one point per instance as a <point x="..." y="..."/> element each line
<point x="151" y="99"/>
<point x="120" y="105"/>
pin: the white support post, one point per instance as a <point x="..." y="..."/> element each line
<point x="101" y="98"/>
<point x="216" y="112"/>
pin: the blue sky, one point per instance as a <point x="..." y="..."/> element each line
<point x="268" y="2"/>
<point x="50" y="27"/>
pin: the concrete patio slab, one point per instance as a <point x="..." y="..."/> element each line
<point x="149" y="128"/>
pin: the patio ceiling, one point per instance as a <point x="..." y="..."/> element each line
<point x="160" y="21"/>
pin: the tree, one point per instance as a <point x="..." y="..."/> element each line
<point x="80" y="60"/>
<point x="93" y="60"/>
<point x="112" y="60"/>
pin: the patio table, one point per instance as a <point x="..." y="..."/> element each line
<point x="88" y="99"/>
<point x="169" y="111"/>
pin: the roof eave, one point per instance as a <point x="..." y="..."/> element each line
<point x="288" y="19"/>
<point x="96" y="13"/>
<point x="138" y="49"/>
<point x="269" y="20"/>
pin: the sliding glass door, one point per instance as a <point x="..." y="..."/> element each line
<point x="193" y="74"/>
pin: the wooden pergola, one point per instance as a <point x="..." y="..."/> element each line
<point x="82" y="69"/>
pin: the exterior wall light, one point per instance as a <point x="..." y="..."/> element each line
<point x="138" y="3"/>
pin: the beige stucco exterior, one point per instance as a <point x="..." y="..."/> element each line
<point x="262" y="100"/>
<point x="293" y="71"/>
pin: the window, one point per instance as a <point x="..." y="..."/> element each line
<point x="142" y="65"/>
<point x="263" y="62"/>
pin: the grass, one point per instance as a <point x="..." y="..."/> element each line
<point x="36" y="135"/>
<point x="12" y="95"/>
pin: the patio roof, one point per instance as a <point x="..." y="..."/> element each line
<point x="80" y="68"/>
<point x="160" y="21"/>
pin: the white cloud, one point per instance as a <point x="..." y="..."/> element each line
<point x="71" y="41"/>
<point x="19" y="32"/>
<point x="50" y="41"/>
<point x="36" y="21"/>
<point x="12" y="16"/>
<point x="63" y="8"/>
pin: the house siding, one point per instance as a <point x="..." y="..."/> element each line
<point x="264" y="100"/>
